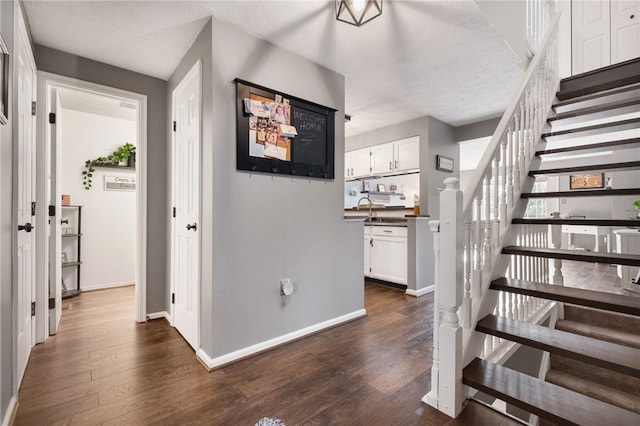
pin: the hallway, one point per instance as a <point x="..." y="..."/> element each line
<point x="103" y="368"/>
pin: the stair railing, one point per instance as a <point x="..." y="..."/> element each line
<point x="474" y="227"/>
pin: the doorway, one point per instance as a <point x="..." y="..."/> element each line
<point x="97" y="238"/>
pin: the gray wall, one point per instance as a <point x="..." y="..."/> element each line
<point x="440" y="141"/>
<point x="201" y="49"/>
<point x="6" y="234"/>
<point x="265" y="227"/>
<point x="68" y="65"/>
<point x="477" y="130"/>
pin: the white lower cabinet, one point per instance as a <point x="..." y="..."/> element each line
<point x="385" y="253"/>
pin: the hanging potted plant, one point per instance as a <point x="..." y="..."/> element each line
<point x="124" y="153"/>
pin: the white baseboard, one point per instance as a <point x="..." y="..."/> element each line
<point x="106" y="286"/>
<point x="157" y="315"/>
<point x="213" y="363"/>
<point x="12" y="409"/>
<point x="421" y="291"/>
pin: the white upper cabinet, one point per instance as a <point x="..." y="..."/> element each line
<point x="357" y="164"/>
<point x="407" y="155"/>
<point x="382" y="159"/>
<point x="398" y="157"/>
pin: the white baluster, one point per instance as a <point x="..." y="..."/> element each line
<point x="468" y="265"/>
<point x="451" y="235"/>
<point x="488" y="224"/>
<point x="510" y="166"/>
<point x="516" y="153"/>
<point x="495" y="235"/>
<point x="431" y="398"/>
<point x="523" y="149"/>
<point x="556" y="241"/>
<point x="477" y="247"/>
<point x="503" y="182"/>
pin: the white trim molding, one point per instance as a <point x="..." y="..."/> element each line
<point x="421" y="291"/>
<point x="158" y="315"/>
<point x="108" y="285"/>
<point x="12" y="410"/>
<point x="213" y="363"/>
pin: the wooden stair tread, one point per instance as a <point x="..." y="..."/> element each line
<point x="597" y="98"/>
<point x="586" y="168"/>
<point x="618" y="337"/>
<point x="582" y="193"/>
<point x="612" y="76"/>
<point x="595" y="129"/>
<point x="546" y="400"/>
<point x="580" y="256"/>
<point x="586" y="349"/>
<point x="601" y="146"/>
<point x="576" y="296"/>
<point x="592" y="389"/>
<point x="599" y="111"/>
<point x="585" y="222"/>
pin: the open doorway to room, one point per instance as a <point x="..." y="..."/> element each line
<point x="96" y="240"/>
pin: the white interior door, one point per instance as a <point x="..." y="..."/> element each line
<point x="185" y="260"/>
<point x="625" y="30"/>
<point x="591" y="35"/>
<point x="55" y="227"/>
<point x="25" y="183"/>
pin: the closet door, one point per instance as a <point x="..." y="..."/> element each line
<point x="591" y="35"/>
<point x="625" y="30"/>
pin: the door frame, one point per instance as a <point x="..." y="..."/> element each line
<point x="46" y="81"/>
<point x="21" y="35"/>
<point x="195" y="69"/>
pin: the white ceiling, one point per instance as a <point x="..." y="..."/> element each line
<point x="438" y="58"/>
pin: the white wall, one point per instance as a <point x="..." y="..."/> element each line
<point x="108" y="217"/>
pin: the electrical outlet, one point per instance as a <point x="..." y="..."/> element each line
<point x="286" y="288"/>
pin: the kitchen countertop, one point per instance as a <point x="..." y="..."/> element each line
<point x="380" y="221"/>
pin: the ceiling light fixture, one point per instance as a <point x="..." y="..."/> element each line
<point x="358" y="12"/>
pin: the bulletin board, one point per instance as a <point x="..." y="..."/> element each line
<point x="281" y="134"/>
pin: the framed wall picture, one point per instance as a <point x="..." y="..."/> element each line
<point x="4" y="82"/>
<point x="586" y="181"/>
<point x="444" y="164"/>
<point x="381" y="187"/>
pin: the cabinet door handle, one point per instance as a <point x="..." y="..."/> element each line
<point x="351" y="171"/>
<point x="396" y="164"/>
<point x="193" y="227"/>
<point x="386" y="230"/>
<point x="371" y="242"/>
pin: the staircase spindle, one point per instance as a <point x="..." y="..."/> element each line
<point x="488" y="224"/>
<point x="432" y="397"/>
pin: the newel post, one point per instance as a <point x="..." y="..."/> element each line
<point x="432" y="397"/>
<point x="450" y="298"/>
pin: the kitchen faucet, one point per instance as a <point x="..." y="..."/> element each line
<point x="370" y="206"/>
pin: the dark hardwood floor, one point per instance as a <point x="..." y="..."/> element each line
<point x="104" y="369"/>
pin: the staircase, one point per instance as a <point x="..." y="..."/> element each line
<point x="593" y="375"/>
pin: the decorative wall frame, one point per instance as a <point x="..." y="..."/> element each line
<point x="444" y="164"/>
<point x="587" y="181"/>
<point x="304" y="147"/>
<point x="4" y="82"/>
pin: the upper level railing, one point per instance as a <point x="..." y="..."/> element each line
<point x="474" y="227"/>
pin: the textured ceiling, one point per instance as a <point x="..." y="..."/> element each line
<point x="438" y="58"/>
